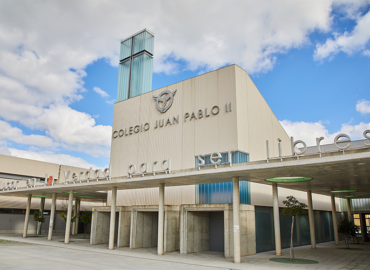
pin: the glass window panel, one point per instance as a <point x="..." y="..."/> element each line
<point x="222" y="192"/>
<point x="357" y="222"/>
<point x="141" y="75"/>
<point x="304" y="230"/>
<point x="367" y="222"/>
<point x="318" y="227"/>
<point x="264" y="229"/>
<point x="123" y="80"/>
<point x="125" y="50"/>
<point x="356" y="215"/>
<point x="143" y="41"/>
<point x="149" y="42"/>
<point x="285" y="230"/>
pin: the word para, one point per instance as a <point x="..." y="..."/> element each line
<point x="143" y="168"/>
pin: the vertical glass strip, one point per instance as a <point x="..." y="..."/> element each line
<point x="147" y="74"/>
<point x="149" y="42"/>
<point x="223" y="192"/>
<point x="125" y="50"/>
<point x="143" y="41"/>
<point x="123" y="80"/>
<point x="139" y="43"/>
<point x="141" y="75"/>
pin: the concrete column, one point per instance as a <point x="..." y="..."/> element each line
<point x="39" y="224"/>
<point x="335" y="222"/>
<point x="25" y="227"/>
<point x="236" y="219"/>
<point x="74" y="214"/>
<point x="311" y="219"/>
<point x="363" y="227"/>
<point x="78" y="214"/>
<point x="112" y="218"/>
<point x="161" y="220"/>
<point x="349" y="212"/>
<point x="52" y="215"/>
<point x="275" y="199"/>
<point x="69" y="216"/>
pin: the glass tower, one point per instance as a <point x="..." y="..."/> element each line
<point x="136" y="65"/>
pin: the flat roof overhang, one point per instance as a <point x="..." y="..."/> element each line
<point x="332" y="171"/>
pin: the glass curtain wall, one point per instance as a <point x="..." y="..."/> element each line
<point x="141" y="74"/>
<point x="265" y="235"/>
<point x="136" y="66"/>
<point x="123" y="81"/>
<point x="356" y="204"/>
<point x="222" y="192"/>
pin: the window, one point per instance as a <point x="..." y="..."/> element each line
<point x="222" y="192"/>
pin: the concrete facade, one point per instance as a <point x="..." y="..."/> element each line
<point x="100" y="223"/>
<point x="144" y="227"/>
<point x="194" y="228"/>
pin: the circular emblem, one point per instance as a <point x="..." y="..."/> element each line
<point x="164" y="100"/>
<point x="50" y="180"/>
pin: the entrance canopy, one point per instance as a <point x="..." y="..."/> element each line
<point x="344" y="174"/>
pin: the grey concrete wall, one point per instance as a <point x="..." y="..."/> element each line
<point x="144" y="229"/>
<point x="171" y="229"/>
<point x="124" y="225"/>
<point x="100" y="225"/>
<point x="198" y="231"/>
<point x="100" y="228"/>
<point x="194" y="228"/>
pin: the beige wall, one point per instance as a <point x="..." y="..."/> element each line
<point x="27" y="167"/>
<point x="256" y="122"/>
<point x="35" y="168"/>
<point x="150" y="196"/>
<point x="179" y="142"/>
<point x="247" y="127"/>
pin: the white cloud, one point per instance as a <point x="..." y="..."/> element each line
<point x="112" y="101"/>
<point x="53" y="158"/>
<point x="4" y="151"/>
<point x="348" y="42"/>
<point x="9" y="133"/>
<point x="363" y="106"/>
<point x="366" y="52"/>
<point x="309" y="131"/>
<point x="76" y="130"/>
<point x="102" y="93"/>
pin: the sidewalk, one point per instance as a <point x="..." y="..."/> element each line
<point x="39" y="253"/>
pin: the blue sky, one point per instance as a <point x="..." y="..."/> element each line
<point x="58" y="78"/>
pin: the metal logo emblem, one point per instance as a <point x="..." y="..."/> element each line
<point x="164" y="100"/>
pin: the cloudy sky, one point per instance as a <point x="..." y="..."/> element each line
<point x="59" y="65"/>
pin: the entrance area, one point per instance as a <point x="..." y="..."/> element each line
<point x="144" y="233"/>
<point x="209" y="227"/>
<point x="100" y="227"/>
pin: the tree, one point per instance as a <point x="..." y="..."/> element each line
<point x="63" y="214"/>
<point x="38" y="217"/>
<point x="85" y="219"/>
<point x="348" y="229"/>
<point x="64" y="217"/>
<point x="293" y="208"/>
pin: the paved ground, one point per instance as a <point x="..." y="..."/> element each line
<point x="38" y="253"/>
